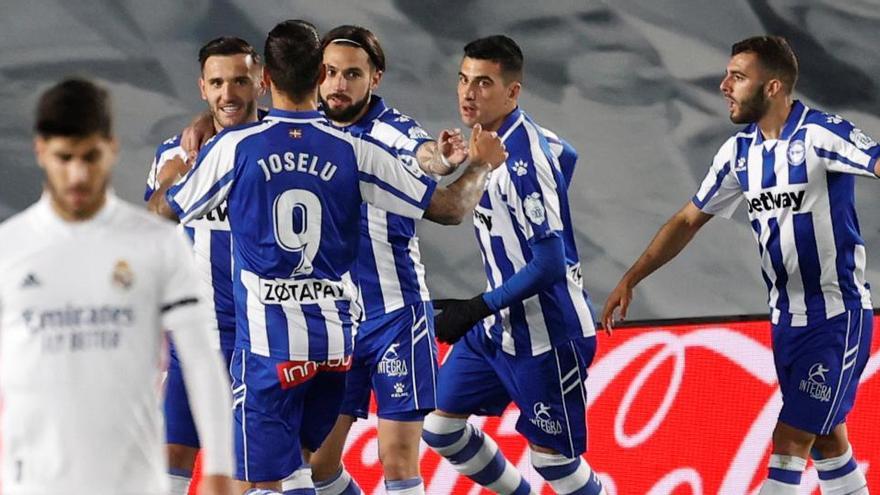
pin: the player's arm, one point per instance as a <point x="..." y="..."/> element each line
<point x="675" y="234"/>
<point x="450" y="204"/>
<point x="184" y="310"/>
<point x="444" y="156"/>
<point x="171" y="171"/>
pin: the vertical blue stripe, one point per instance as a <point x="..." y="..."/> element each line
<point x="400" y="231"/>
<point x="221" y="278"/>
<point x="367" y="272"/>
<point x="756" y="226"/>
<point x="344" y="310"/>
<point x="278" y="332"/>
<point x="317" y="331"/>
<point x="797" y="173"/>
<point x="768" y="174"/>
<point x="741" y="166"/>
<point x="242" y="334"/>
<point x="191" y="233"/>
<point x="517" y="316"/>
<point x="808" y="261"/>
<point x="841" y="201"/>
<point x="775" y="251"/>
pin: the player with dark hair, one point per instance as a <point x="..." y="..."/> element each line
<point x="82" y="308"/>
<point x="531" y="337"/>
<point x="295" y="185"/>
<point x="230" y="82"/>
<point x="795" y="167"/>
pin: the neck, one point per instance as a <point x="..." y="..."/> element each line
<point x="773" y="121"/>
<point x="73" y="216"/>
<point x="496" y="124"/>
<point x="282" y="101"/>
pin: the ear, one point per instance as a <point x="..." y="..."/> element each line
<point x="375" y="80"/>
<point x="513" y="90"/>
<point x="322" y="74"/>
<point x="774" y="88"/>
<point x="267" y="79"/>
<point x="202" y="88"/>
<point x="39" y="149"/>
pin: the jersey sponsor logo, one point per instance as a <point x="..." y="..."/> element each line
<point x="296" y="162"/>
<point x="122" y="276"/>
<point x="534" y="208"/>
<point x="218" y="214"/>
<point x="78" y="328"/>
<point x="521" y="167"/>
<point x="391" y="364"/>
<point x="30" y="280"/>
<point x="293" y="373"/>
<point x="768" y="201"/>
<point x="861" y="140"/>
<point x="306" y="291"/>
<point x="814" y="384"/>
<point x="797" y="153"/>
<point x="483" y="219"/>
<point x="544" y="421"/>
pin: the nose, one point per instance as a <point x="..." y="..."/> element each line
<point x="226" y="91"/>
<point x="724" y="86"/>
<point x="78" y="172"/>
<point x="468" y="92"/>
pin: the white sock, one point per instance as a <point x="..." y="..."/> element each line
<point x="179" y="482"/>
<point x="340" y="484"/>
<point x="784" y="475"/>
<point x="566" y="475"/>
<point x="841" y="475"/>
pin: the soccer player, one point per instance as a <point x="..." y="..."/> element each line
<point x="87" y="283"/>
<point x="230" y="83"/>
<point x="795" y="167"/>
<point x="534" y="336"/>
<point x="295" y="185"/>
<point x="395" y="355"/>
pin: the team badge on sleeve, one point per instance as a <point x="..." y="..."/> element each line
<point x="416" y="132"/>
<point x="534" y="208"/>
<point x="861" y="140"/>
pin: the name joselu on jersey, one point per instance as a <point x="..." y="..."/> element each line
<point x="296" y="162"/>
<point x="767" y="201"/>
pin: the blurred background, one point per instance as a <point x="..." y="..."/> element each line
<point x="632" y="85"/>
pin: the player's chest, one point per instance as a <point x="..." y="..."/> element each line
<point x="778" y="176"/>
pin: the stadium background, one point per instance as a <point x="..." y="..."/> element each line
<point x="633" y="85"/>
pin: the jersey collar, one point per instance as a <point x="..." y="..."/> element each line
<point x="289" y="116"/>
<point x="50" y="217"/>
<point x="509" y="122"/>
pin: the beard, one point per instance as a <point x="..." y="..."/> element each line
<point x="751" y="109"/>
<point x="346" y="114"/>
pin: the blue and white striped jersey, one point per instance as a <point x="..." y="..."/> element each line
<point x="799" y="190"/>
<point x="565" y="154"/>
<point x="294" y="185"/>
<point x="390" y="274"/>
<point x="211" y="243"/>
<point x="526" y="200"/>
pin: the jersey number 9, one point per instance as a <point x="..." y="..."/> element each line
<point x="297" y="220"/>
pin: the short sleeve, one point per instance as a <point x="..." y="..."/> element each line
<point x="532" y="195"/>
<point x="182" y="303"/>
<point x="841" y="146"/>
<point x="720" y="192"/>
<point x="167" y="150"/>
<point x="392" y="179"/>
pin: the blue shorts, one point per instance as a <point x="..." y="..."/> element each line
<point x="549" y="389"/>
<point x="395" y="357"/>
<point x="179" y="426"/>
<point x="280" y="407"/>
<point x="819" y="367"/>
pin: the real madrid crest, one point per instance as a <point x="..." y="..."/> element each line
<point x="123" y="276"/>
<point x="797" y="153"/>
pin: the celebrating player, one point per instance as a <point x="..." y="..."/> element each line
<point x="394" y="354"/>
<point x="295" y="185"/>
<point x="82" y="307"/>
<point x="795" y="168"/>
<point x="534" y="335"/>
<point x="230" y="83"/>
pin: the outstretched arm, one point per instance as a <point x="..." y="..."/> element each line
<point x="675" y="234"/>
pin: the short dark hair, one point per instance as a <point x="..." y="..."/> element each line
<point x="359" y="37"/>
<point x="75" y="108"/>
<point x="227" y="45"/>
<point x="775" y="55"/>
<point x="501" y="50"/>
<point x="293" y="57"/>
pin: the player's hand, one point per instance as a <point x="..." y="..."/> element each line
<point x="457" y="317"/>
<point x="620" y="297"/>
<point x="453" y="148"/>
<point x="196" y="134"/>
<point x="172" y="170"/>
<point x="215" y="484"/>
<point x="486" y="147"/>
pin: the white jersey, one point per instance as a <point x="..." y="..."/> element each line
<point x="82" y="305"/>
<point x="799" y="190"/>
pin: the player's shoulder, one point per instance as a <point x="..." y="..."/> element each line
<point x="403" y="123"/>
<point x="18" y="224"/>
<point x="835" y="124"/>
<point x="231" y="137"/>
<point x="170" y="144"/>
<point x="141" y="222"/>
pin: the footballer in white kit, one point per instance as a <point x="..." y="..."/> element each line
<point x="87" y="282"/>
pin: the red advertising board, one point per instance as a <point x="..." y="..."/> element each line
<point x="674" y="409"/>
